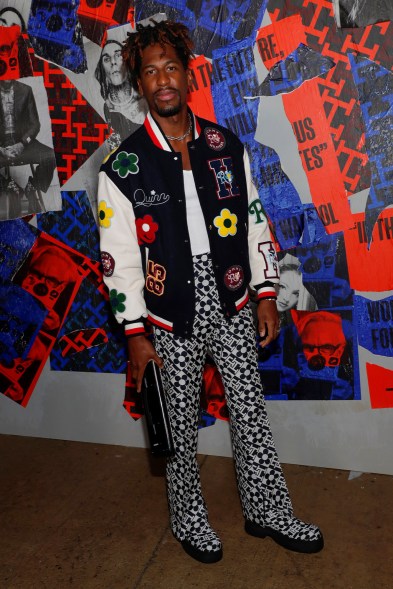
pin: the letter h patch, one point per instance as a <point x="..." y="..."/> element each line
<point x="222" y="169"/>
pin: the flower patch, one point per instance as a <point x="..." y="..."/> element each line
<point x="146" y="229"/>
<point x="117" y="301"/>
<point x="105" y="214"/>
<point x="226" y="223"/>
<point x="125" y="163"/>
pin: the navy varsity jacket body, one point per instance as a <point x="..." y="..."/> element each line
<point x="145" y="244"/>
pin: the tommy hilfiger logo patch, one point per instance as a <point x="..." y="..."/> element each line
<point x="214" y="138"/>
<point x="222" y="169"/>
<point x="108" y="263"/>
<point x="234" y="277"/>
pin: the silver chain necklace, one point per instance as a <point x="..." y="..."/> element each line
<point x="185" y="134"/>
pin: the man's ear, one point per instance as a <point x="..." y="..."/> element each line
<point x="140" y="90"/>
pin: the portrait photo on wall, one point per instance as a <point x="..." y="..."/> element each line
<point x="351" y="14"/>
<point x="314" y="358"/>
<point x="28" y="176"/>
<point x="107" y="87"/>
<point x="292" y="293"/>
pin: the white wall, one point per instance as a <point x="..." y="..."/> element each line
<point x="88" y="407"/>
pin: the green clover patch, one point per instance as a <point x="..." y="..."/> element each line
<point x="117" y="301"/>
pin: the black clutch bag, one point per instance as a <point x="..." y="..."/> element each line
<point x="156" y="413"/>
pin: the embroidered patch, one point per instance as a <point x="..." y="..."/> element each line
<point x="226" y="186"/>
<point x="226" y="223"/>
<point x="234" y="277"/>
<point x="214" y="138"/>
<point x="150" y="199"/>
<point x="155" y="278"/>
<point x="117" y="300"/>
<point x="105" y="214"/>
<point x="125" y="163"/>
<point x="108" y="264"/>
<point x="266" y="248"/>
<point x="146" y="229"/>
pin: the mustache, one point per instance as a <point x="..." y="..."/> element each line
<point x="166" y="90"/>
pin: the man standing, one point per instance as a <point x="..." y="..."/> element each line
<point x="180" y="250"/>
<point x="19" y="127"/>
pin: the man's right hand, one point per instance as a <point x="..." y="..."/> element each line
<point x="140" y="351"/>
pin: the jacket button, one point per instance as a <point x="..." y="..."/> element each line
<point x="210" y="227"/>
<point x="186" y="241"/>
<point x="201" y="187"/>
<point x="188" y="281"/>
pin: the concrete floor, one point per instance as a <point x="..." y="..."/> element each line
<point x="94" y="516"/>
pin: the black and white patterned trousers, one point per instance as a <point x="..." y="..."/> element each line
<point x="231" y="342"/>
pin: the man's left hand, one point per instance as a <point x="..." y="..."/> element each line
<point x="268" y="321"/>
<point x="14" y="150"/>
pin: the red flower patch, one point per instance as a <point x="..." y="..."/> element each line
<point x="146" y="229"/>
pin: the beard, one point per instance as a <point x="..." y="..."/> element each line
<point x="169" y="110"/>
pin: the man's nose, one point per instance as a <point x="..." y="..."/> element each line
<point x="162" y="78"/>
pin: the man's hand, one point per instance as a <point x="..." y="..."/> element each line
<point x="14" y="150"/>
<point x="268" y="321"/>
<point x="140" y="351"/>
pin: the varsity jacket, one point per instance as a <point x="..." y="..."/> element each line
<point x="145" y="245"/>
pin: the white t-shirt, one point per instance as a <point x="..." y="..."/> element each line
<point x="199" y="239"/>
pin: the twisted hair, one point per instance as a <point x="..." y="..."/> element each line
<point x="163" y="33"/>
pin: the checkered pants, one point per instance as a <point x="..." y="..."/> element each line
<point x="231" y="342"/>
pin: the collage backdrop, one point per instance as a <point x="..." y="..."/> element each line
<point x="306" y="85"/>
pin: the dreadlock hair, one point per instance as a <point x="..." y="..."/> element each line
<point x="163" y="33"/>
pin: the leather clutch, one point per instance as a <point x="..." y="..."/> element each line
<point x="156" y="413"/>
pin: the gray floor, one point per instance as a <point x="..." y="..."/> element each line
<point x="94" y="516"/>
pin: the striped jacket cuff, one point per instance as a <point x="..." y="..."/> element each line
<point x="134" y="328"/>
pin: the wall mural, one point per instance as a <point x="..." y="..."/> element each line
<point x="306" y="84"/>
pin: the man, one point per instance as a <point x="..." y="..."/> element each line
<point x="180" y="250"/>
<point x="19" y="127"/>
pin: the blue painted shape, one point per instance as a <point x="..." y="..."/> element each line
<point x="16" y="240"/>
<point x="21" y="318"/>
<point x="234" y="76"/>
<point x="212" y="24"/>
<point x="375" y="89"/>
<point x="374" y="321"/>
<point x="75" y="226"/>
<point x="288" y="74"/>
<point x="56" y="34"/>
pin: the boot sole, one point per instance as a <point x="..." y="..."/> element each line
<point x="305" y="546"/>
<point x="206" y="557"/>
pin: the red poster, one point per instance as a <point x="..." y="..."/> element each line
<point x="370" y="269"/>
<point x="305" y="112"/>
<point x="199" y="96"/>
<point x="279" y="39"/>
<point x="380" y="384"/>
